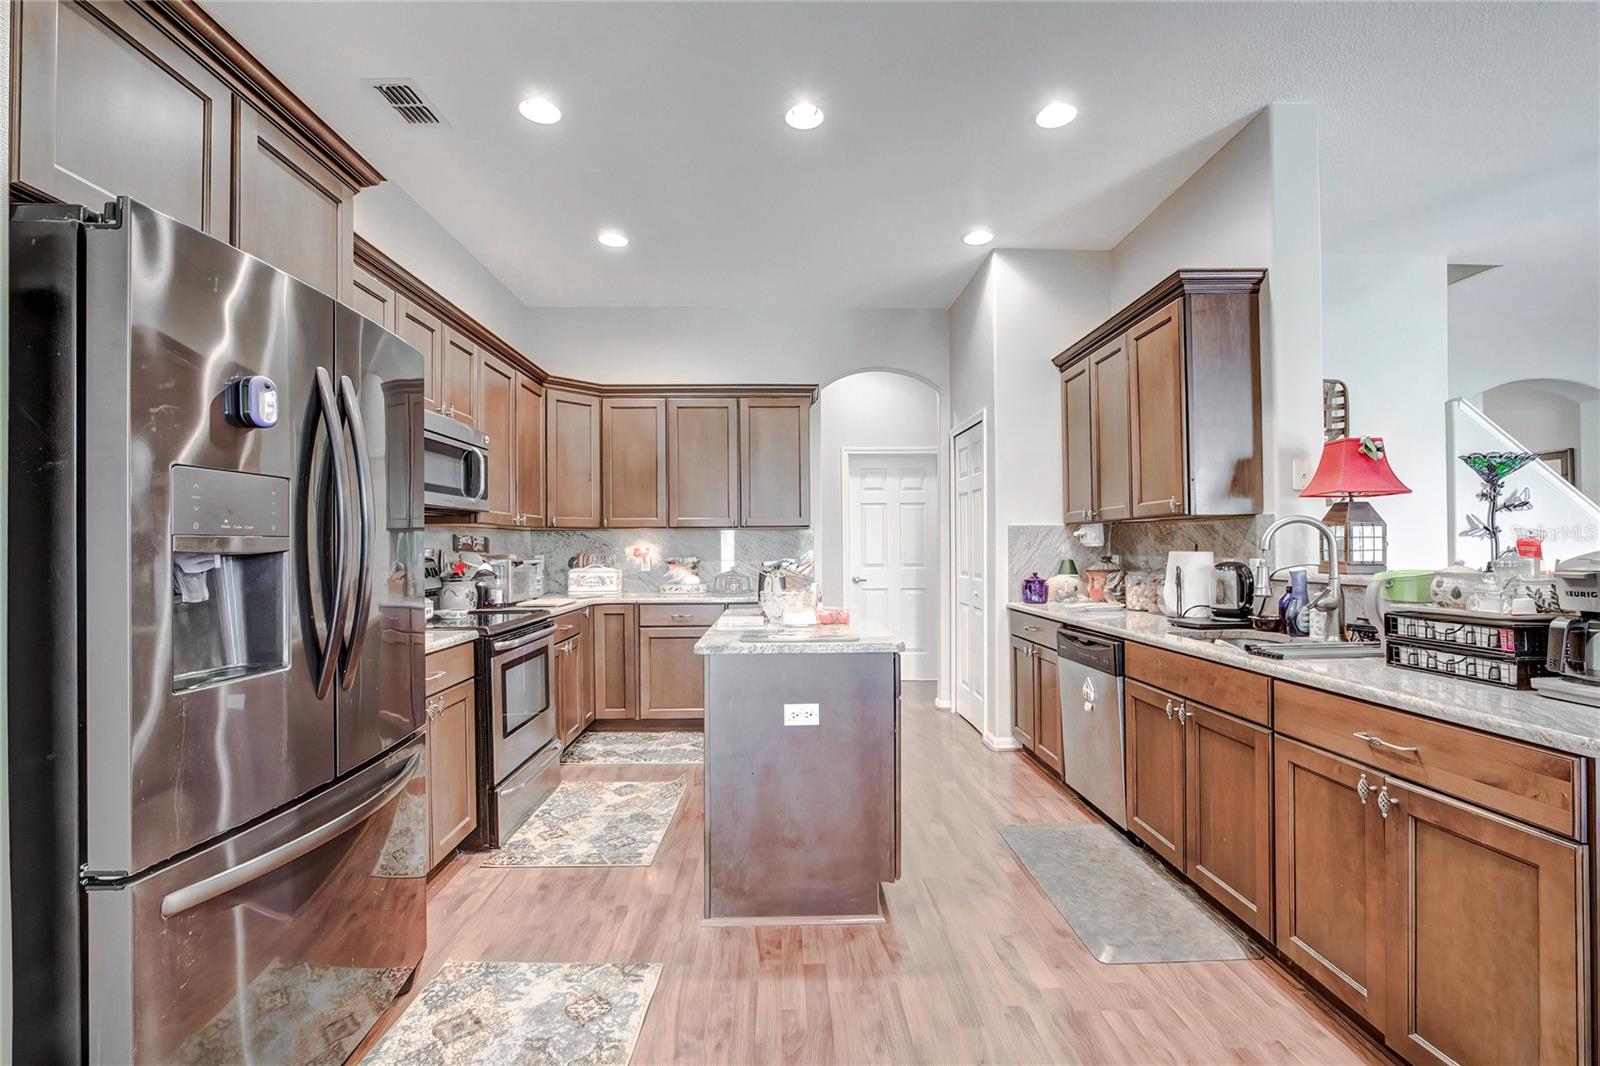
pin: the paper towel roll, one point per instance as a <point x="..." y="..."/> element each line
<point x="1191" y="585"/>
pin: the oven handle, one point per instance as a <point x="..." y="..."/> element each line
<point x="522" y="642"/>
<point x="191" y="896"/>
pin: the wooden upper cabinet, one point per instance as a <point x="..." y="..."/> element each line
<point x="1111" y="431"/>
<point x="108" y="105"/>
<point x="1154" y="770"/>
<point x="633" y="463"/>
<point x="572" y="459"/>
<point x="1228" y="805"/>
<point x="775" y="460"/>
<point x="1487" y="935"/>
<point x="1331" y="874"/>
<point x="1175" y="391"/>
<point x="1077" y="445"/>
<point x="496" y="407"/>
<point x="374" y="297"/>
<point x="1156" y="411"/>
<point x="458" y="379"/>
<point x="703" y="462"/>
<point x="528" y="467"/>
<point x="290" y="209"/>
<point x="423" y="330"/>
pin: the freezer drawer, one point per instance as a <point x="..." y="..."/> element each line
<point x="283" y="943"/>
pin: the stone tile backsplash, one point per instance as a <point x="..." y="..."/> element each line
<point x="741" y="551"/>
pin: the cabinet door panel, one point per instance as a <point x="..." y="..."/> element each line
<point x="1047" y="708"/>
<point x="775" y="461"/>
<point x="633" y="442"/>
<point x="108" y="105"/>
<point x="616" y="662"/>
<point x="373" y="297"/>
<point x="1154" y="767"/>
<point x="1228" y="781"/>
<point x="1077" y="435"/>
<point x="452" y="771"/>
<point x="1024" y="700"/>
<point x="703" y="462"/>
<point x="528" y="469"/>
<point x="458" y="380"/>
<point x="1108" y="392"/>
<point x="1155" y="389"/>
<point x="289" y="209"/>
<point x="1330" y="874"/>
<point x="423" y="330"/>
<point x="572" y="459"/>
<point x="1487" y="935"/>
<point x="496" y="408"/>
<point x="672" y="680"/>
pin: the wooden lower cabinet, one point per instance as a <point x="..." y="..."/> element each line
<point x="1228" y="812"/>
<point x="1330" y="874"/>
<point x="1487" y="925"/>
<point x="574" y="674"/>
<point x="1024" y="700"/>
<point x="672" y="678"/>
<point x="1047" y="708"/>
<point x="452" y="769"/>
<point x="615" y="641"/>
<point x="1154" y="770"/>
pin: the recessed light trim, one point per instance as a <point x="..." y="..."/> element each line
<point x="1055" y="114"/>
<point x="538" y="110"/>
<point x="804" y="116"/>
<point x="978" y="236"/>
<point x="613" y="238"/>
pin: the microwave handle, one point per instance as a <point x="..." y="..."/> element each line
<point x="477" y="469"/>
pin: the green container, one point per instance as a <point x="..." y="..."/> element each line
<point x="1406" y="586"/>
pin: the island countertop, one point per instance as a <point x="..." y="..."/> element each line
<point x="854" y="638"/>
<point x="1517" y="714"/>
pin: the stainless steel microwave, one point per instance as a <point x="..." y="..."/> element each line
<point x="455" y="465"/>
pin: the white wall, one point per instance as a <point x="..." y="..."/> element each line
<point x="399" y="228"/>
<point x="1386" y="334"/>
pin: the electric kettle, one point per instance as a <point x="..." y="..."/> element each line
<point x="1236" y="591"/>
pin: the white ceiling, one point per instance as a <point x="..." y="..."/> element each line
<point x="1463" y="128"/>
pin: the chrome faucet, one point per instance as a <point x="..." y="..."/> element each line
<point x="1331" y="599"/>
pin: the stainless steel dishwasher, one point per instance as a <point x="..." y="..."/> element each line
<point x="1090" y="671"/>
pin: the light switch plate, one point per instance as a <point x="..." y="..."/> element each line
<point x="1300" y="474"/>
<point x="802" y="714"/>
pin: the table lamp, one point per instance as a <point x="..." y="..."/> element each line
<point x="1352" y="469"/>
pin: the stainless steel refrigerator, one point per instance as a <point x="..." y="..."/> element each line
<point x="218" y="786"/>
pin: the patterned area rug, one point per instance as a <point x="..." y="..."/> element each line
<point x="595" y="823"/>
<point x="490" y="1013"/>
<point x="672" y="746"/>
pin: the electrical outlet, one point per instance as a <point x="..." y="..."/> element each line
<point x="801" y="714"/>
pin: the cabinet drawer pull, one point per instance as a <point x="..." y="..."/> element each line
<point x="1363" y="789"/>
<point x="683" y="617"/>
<point x="1169" y="710"/>
<point x="1182" y="711"/>
<point x="1030" y="629"/>
<point x="1172" y="504"/>
<point x="1386" y="802"/>
<point x="1379" y="742"/>
<point x="436" y="675"/>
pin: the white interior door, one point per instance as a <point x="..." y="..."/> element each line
<point x="970" y="552"/>
<point x="892" y="552"/>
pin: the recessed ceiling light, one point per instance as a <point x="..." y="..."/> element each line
<point x="538" y="109"/>
<point x="613" y="238"/>
<point x="1055" y="115"/>
<point x="804" y="116"/>
<point x="977" y="236"/>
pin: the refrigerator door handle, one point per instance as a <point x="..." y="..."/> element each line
<point x="190" y="896"/>
<point x="350" y="411"/>
<point x="327" y="415"/>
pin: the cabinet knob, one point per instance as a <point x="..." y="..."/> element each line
<point x="1169" y="710"/>
<point x="1172" y="504"/>
<point x="1363" y="789"/>
<point x="1182" y="710"/>
<point x="1386" y="802"/>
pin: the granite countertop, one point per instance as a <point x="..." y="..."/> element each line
<point x="812" y="640"/>
<point x="1520" y="715"/>
<point x="440" y="639"/>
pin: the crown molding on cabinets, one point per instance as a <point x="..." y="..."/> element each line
<point x="1232" y="282"/>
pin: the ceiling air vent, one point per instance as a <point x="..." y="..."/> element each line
<point x="407" y="100"/>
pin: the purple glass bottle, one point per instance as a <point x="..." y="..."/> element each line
<point x="1034" y="589"/>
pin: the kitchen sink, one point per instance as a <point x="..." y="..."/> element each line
<point x="1279" y="646"/>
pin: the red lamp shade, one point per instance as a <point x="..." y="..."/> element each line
<point x="1347" y="470"/>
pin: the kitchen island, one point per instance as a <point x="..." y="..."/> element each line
<point x="802" y="772"/>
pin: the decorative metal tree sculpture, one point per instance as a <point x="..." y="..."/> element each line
<point x="1493" y="468"/>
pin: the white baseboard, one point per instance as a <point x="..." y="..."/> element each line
<point x="1001" y="743"/>
<point x="942" y="704"/>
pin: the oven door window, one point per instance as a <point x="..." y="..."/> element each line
<point x="526" y="693"/>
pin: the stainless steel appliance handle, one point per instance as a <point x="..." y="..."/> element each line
<point x="522" y="642"/>
<point x="327" y="415"/>
<point x="477" y="473"/>
<point x="350" y="656"/>
<point x="190" y="896"/>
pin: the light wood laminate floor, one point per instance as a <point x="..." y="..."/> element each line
<point x="973" y="965"/>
